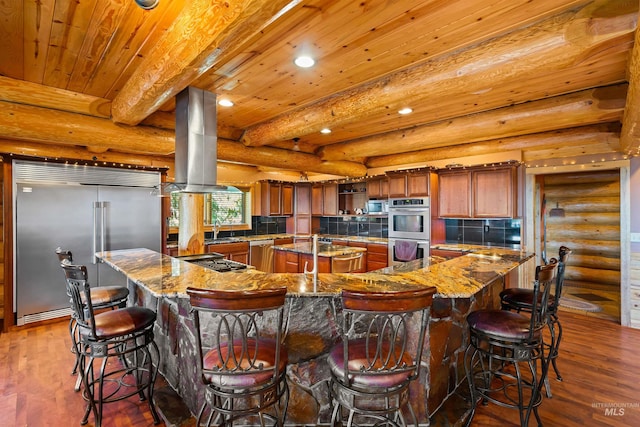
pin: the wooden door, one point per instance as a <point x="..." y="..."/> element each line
<point x="287" y="199"/>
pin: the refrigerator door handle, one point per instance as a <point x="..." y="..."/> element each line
<point x="94" y="246"/>
<point x="103" y="225"/>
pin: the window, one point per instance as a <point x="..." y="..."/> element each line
<point x="222" y="208"/>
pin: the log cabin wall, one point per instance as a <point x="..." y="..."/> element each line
<point x="590" y="226"/>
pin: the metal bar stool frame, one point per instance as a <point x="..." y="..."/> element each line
<point x="520" y="300"/>
<point x="242" y="360"/>
<point x="379" y="355"/>
<point x="105" y="297"/>
<point x="500" y="341"/>
<point x="125" y="334"/>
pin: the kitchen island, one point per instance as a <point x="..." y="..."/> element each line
<point x="463" y="284"/>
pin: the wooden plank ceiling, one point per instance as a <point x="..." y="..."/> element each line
<point x="97" y="79"/>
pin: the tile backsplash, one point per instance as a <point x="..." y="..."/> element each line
<point x="357" y="225"/>
<point x="492" y="232"/>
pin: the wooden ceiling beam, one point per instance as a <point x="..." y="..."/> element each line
<point x="576" y="137"/>
<point x="592" y="106"/>
<point x="35" y="124"/>
<point x="287" y="159"/>
<point x="630" y="134"/>
<point x="548" y="46"/>
<point x="24" y="92"/>
<point x="198" y="37"/>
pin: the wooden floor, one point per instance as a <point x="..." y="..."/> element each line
<point x="600" y="363"/>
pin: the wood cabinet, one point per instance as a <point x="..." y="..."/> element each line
<point x="283" y="241"/>
<point x="293" y="262"/>
<point x="377" y="256"/>
<point x="454" y="194"/>
<point x="409" y="184"/>
<point x="352" y="196"/>
<point x="418" y="184"/>
<point x="276" y="198"/>
<point x="236" y="251"/>
<point x="324" y="199"/>
<point x="494" y="193"/>
<point x="478" y="193"/>
<point x="397" y="185"/>
<point x="286" y="204"/>
<point x="302" y="209"/>
<point x="378" y="188"/>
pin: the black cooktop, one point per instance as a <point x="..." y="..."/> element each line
<point x="214" y="261"/>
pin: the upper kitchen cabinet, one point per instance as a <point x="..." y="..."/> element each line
<point x="352" y="196"/>
<point x="478" y="193"/>
<point x="454" y="194"/>
<point x="494" y="193"/>
<point x="378" y="187"/>
<point x="324" y="199"/>
<point x="397" y="184"/>
<point x="408" y="184"/>
<point x="276" y="198"/>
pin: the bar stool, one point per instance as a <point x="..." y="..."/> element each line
<point x="242" y="359"/>
<point x="102" y="297"/>
<point x="500" y="342"/>
<point x="122" y="338"/>
<point x="379" y="355"/>
<point x="520" y="299"/>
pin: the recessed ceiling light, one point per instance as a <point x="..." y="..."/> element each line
<point x="405" y="111"/>
<point x="226" y="103"/>
<point x="325" y="130"/>
<point x="304" y="61"/>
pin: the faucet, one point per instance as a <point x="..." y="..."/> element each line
<point x="315" y="263"/>
<point x="216" y="230"/>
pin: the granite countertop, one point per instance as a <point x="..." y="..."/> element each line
<point x="324" y="249"/>
<point x="460" y="277"/>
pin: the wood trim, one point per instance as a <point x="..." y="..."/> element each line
<point x="7" y="231"/>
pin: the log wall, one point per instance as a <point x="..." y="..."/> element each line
<point x="590" y="226"/>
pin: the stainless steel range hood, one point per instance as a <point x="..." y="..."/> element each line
<point x="196" y="155"/>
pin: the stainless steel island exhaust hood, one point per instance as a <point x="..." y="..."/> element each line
<point x="196" y="155"/>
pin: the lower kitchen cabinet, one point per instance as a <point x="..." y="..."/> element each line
<point x="377" y="256"/>
<point x="294" y="262"/>
<point x="236" y="251"/>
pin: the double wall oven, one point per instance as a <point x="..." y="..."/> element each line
<point x="409" y="229"/>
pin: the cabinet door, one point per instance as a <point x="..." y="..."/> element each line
<point x="271" y="198"/>
<point x="303" y="199"/>
<point x="280" y="261"/>
<point x="287" y="199"/>
<point x="418" y="184"/>
<point x="330" y="199"/>
<point x="454" y="194"/>
<point x="493" y="193"/>
<point x="374" y="188"/>
<point x="377" y="256"/>
<point x="317" y="197"/>
<point x="303" y="224"/>
<point x="398" y="185"/>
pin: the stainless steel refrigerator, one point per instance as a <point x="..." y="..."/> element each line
<point x="83" y="209"/>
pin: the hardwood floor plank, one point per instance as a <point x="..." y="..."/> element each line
<point x="599" y="362"/>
